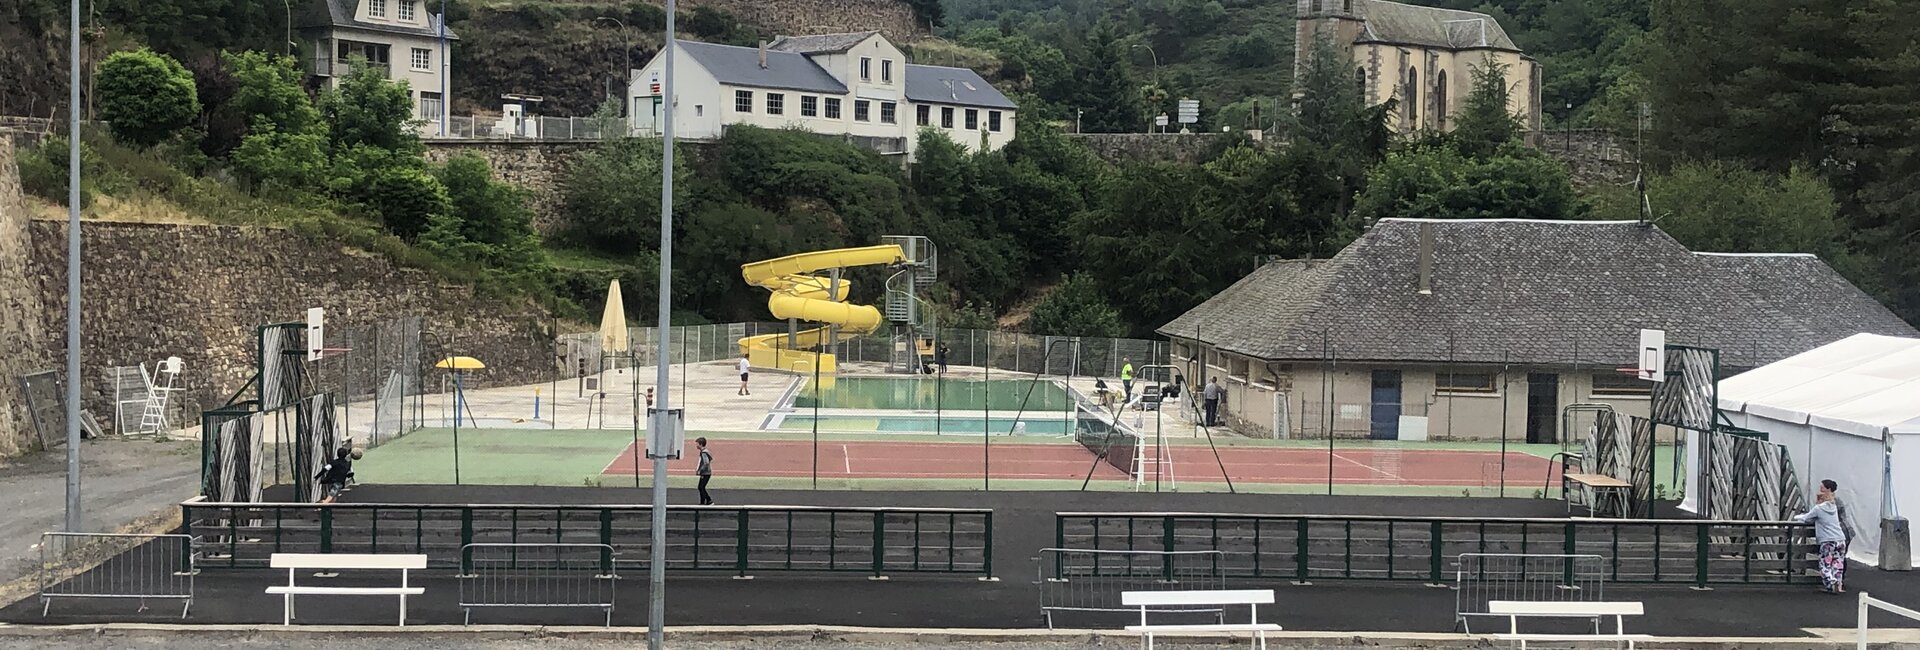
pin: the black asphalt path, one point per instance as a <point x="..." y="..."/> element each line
<point x="1023" y="525"/>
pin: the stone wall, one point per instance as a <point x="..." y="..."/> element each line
<point x="891" y="18"/>
<point x="25" y="347"/>
<point x="199" y="292"/>
<point x="535" y="166"/>
<point x="1153" y="147"/>
<point x="1594" y="157"/>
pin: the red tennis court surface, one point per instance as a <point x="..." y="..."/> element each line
<point x="1279" y="465"/>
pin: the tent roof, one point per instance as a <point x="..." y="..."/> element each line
<point x="1863" y="384"/>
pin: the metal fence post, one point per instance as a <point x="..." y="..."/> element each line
<point x="466" y="540"/>
<point x="326" y="530"/>
<point x="606" y="540"/>
<point x="1702" y="542"/>
<point x="1300" y="551"/>
<point x="879" y="544"/>
<point x="1569" y="546"/>
<point x="987" y="556"/>
<point x="1436" y="569"/>
<point x="740" y="545"/>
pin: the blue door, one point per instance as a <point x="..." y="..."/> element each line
<point x="1386" y="405"/>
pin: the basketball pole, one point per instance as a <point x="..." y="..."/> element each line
<point x="657" y="555"/>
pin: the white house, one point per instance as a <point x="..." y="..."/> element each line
<point x="854" y="85"/>
<point x="398" y="36"/>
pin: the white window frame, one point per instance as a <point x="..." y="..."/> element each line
<point x="809" y="106"/>
<point x="420" y="59"/>
<point x="832" y="108"/>
<point x="406" y="11"/>
<point x="866" y="68"/>
<point x="886" y="71"/>
<point x="776" y="103"/>
<point x="993" y="121"/>
<point x="862" y="110"/>
<point x="377" y="8"/>
<point x="743" y="101"/>
<point x="889" y="113"/>
<point x="438" y="105"/>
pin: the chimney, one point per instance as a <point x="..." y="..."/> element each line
<point x="1426" y="258"/>
<point x="763" y="55"/>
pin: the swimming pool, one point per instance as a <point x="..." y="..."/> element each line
<point x="924" y="424"/>
<point x="929" y="393"/>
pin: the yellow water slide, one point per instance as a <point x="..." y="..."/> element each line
<point x="799" y="294"/>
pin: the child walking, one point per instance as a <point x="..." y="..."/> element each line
<point x="705" y="471"/>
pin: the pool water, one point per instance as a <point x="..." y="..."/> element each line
<point x="927" y="394"/>
<point x="923" y="424"/>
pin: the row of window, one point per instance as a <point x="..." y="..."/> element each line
<point x="378" y="9"/>
<point x="886" y="69"/>
<point x="829" y="108"/>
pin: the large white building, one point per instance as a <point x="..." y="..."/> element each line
<point x="398" y="36"/>
<point x="855" y="85"/>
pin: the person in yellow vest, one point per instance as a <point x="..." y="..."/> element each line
<point x="1126" y="380"/>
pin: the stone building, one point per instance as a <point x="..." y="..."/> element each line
<point x="858" y="86"/>
<point x="1422" y="56"/>
<point x="398" y="36"/>
<point x="1490" y="328"/>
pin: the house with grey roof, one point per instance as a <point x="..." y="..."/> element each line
<point x="1484" y="329"/>
<point x="400" y="37"/>
<point x="1422" y="56"/>
<point x="856" y="86"/>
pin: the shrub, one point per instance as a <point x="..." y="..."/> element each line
<point x="145" y="96"/>
<point x="406" y="200"/>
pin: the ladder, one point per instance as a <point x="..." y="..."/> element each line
<point x="153" y="414"/>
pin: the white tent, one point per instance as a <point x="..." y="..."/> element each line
<point x="1847" y="411"/>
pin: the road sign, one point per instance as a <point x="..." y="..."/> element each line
<point x="1189" y="111"/>
<point x="1161" y="120"/>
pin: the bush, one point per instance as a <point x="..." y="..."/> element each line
<point x="145" y="96"/>
<point x="1076" y="308"/>
<point x="288" y="160"/>
<point x="43" y="171"/>
<point x="406" y="200"/>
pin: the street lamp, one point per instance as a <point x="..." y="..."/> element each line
<point x="1155" y="72"/>
<point x="626" y="73"/>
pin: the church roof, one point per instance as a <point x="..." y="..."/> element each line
<point x="1405" y="24"/>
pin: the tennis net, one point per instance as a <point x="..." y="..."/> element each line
<point x="1106" y="440"/>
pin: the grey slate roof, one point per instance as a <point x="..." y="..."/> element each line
<point x="740" y="66"/>
<point x="820" y="43"/>
<point x="1532" y="292"/>
<point x="1405" y="24"/>
<point x="339" y="13"/>
<point x="929" y="83"/>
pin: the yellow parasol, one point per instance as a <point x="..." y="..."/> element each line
<point x="460" y="363"/>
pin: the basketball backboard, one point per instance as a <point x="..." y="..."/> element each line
<point x="316" y="333"/>
<point x="1653" y="355"/>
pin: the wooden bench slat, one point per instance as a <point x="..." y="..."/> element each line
<point x="347" y="561"/>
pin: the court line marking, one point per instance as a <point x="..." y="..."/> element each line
<point x="848" y="457"/>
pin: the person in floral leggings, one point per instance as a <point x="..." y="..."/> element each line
<point x="1830" y="530"/>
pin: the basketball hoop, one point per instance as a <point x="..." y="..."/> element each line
<point x="323" y="353"/>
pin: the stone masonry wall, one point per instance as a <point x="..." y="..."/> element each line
<point x="199" y="292"/>
<point x="534" y="166"/>
<point x="892" y="18"/>
<point x="25" y="347"/>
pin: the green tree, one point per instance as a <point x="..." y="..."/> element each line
<point x="612" y="196"/>
<point x="1124" y="242"/>
<point x="1110" y="96"/>
<point x="1330" y="111"/>
<point x="1484" y="124"/>
<point x="284" y="160"/>
<point x="1076" y="308"/>
<point x="145" y="96"/>
<point x="1722" y="208"/>
<point x="491" y="214"/>
<point x="368" y="109"/>
<point x="269" y="88"/>
<point x="406" y="200"/>
<point x="1437" y="182"/>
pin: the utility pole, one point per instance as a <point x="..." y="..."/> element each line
<point x="73" y="268"/>
<point x="626" y="73"/>
<point x="657" y="553"/>
<point x="446" y="70"/>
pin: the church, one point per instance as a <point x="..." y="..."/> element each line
<point x="1422" y="56"/>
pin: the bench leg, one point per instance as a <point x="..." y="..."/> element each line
<point x="286" y="609"/>
<point x="403" y="610"/>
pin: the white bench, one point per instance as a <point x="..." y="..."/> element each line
<point x="1252" y="598"/>
<point x="294" y="562"/>
<point x="1515" y="610"/>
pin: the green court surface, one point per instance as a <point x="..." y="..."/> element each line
<point x="930" y="393"/>
<point x="494" y="456"/>
<point x="926" y="424"/>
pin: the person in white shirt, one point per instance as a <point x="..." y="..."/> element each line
<point x="744" y="368"/>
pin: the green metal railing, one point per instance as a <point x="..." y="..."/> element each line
<point x="743" y="540"/>
<point x="1360" y="547"/>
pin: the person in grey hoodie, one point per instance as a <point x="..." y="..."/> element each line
<point x="1830" y="530"/>
<point x="705" y="471"/>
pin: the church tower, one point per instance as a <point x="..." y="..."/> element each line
<point x="1332" y="19"/>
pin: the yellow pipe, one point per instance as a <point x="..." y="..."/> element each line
<point x="799" y="295"/>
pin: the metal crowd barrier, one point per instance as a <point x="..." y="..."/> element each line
<point x="116" y="566"/>
<point x="742" y="540"/>
<point x="1366" y="547"/>
<point x="538" y="575"/>
<point x="1481" y="578"/>
<point x="1091" y="580"/>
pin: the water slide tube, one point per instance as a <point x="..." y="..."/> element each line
<point x="799" y="294"/>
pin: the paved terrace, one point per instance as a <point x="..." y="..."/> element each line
<point x="1024" y="523"/>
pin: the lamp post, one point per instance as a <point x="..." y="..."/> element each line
<point x="1154" y="73"/>
<point x="626" y="73"/>
<point x="660" y="423"/>
<point x="446" y="70"/>
<point x="73" y="269"/>
<point x="289" y="35"/>
<point x="1569" y="128"/>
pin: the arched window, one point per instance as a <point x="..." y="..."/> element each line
<point x="1413" y="98"/>
<point x="1360" y="74"/>
<point x="1440" y="110"/>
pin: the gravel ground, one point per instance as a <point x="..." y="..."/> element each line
<point x="121" y="481"/>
